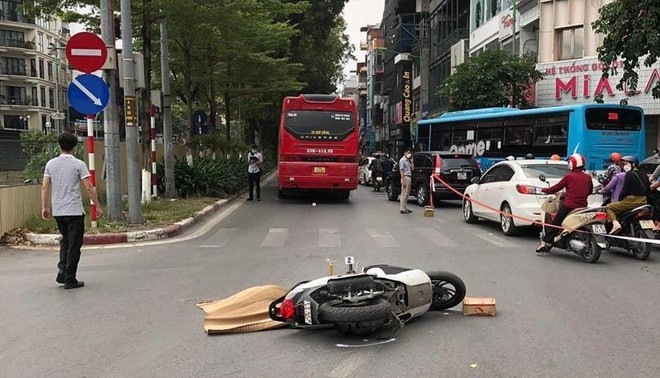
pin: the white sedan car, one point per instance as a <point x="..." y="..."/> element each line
<point x="364" y="174"/>
<point x="509" y="186"/>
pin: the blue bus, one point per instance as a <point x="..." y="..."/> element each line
<point x="493" y="134"/>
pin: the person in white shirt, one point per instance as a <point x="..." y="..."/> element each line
<point x="255" y="161"/>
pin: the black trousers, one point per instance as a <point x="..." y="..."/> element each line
<point x="254" y="179"/>
<point x="72" y="229"/>
<point x="551" y="232"/>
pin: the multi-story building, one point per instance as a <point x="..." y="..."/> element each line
<point x="448" y="25"/>
<point x="569" y="58"/>
<point x="401" y="32"/>
<point x="492" y="26"/>
<point x="33" y="70"/>
<point x="375" y="65"/>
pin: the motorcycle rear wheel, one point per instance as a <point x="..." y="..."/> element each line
<point x="333" y="312"/>
<point x="640" y="250"/>
<point x="443" y="296"/>
<point x="592" y="254"/>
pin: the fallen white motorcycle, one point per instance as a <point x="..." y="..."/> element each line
<point x="380" y="298"/>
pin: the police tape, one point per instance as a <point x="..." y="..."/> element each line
<point x="540" y="223"/>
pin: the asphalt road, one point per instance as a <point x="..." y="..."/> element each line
<point x="136" y="316"/>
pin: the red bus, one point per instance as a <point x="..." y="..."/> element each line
<point x="318" y="145"/>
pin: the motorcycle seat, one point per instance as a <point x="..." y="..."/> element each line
<point x="631" y="214"/>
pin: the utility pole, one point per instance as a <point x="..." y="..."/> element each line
<point x="110" y="120"/>
<point x="170" y="189"/>
<point x="130" y="109"/>
<point x="513" y="35"/>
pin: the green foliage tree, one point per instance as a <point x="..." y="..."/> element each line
<point x="631" y="32"/>
<point x="491" y="79"/>
<point x="40" y="148"/>
<point x="321" y="45"/>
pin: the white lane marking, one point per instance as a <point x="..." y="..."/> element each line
<point x="373" y="343"/>
<point x="220" y="238"/>
<point x="436" y="237"/>
<point x="382" y="239"/>
<point x="329" y="237"/>
<point x="349" y="365"/>
<point x="276" y="237"/>
<point x="492" y="239"/>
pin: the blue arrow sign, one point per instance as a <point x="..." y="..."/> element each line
<point x="88" y="94"/>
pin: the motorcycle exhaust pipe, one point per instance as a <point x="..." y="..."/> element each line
<point x="577" y="245"/>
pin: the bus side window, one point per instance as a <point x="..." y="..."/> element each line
<point x="519" y="135"/>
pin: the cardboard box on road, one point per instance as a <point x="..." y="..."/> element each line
<point x="479" y="306"/>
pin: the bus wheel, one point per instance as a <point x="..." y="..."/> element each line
<point x="281" y="194"/>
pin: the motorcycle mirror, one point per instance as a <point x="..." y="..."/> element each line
<point x="542" y="177"/>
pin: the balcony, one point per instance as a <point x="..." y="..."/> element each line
<point x="17" y="19"/>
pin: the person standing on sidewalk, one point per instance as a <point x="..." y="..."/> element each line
<point x="61" y="182"/>
<point x="405" y="169"/>
<point x="255" y="161"/>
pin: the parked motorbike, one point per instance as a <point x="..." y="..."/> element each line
<point x="635" y="223"/>
<point x="582" y="231"/>
<point x="381" y="298"/>
<point x="378" y="180"/>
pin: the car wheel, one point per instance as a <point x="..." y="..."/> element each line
<point x="422" y="195"/>
<point x="391" y="192"/>
<point x="506" y="222"/>
<point x="468" y="215"/>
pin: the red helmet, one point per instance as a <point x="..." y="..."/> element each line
<point x="555" y="157"/>
<point x="576" y="161"/>
<point x="615" y="157"/>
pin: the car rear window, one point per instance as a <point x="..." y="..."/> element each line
<point x="451" y="162"/>
<point x="548" y="170"/>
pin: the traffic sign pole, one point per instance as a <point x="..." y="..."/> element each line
<point x="154" y="178"/>
<point x="92" y="165"/>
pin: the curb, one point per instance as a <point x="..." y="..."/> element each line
<point x="134" y="236"/>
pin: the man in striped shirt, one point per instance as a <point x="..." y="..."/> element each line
<point x="62" y="178"/>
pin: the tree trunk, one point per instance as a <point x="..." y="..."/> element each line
<point x="227" y="107"/>
<point x="213" y="106"/>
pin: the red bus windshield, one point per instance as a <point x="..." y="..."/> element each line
<point x="319" y="124"/>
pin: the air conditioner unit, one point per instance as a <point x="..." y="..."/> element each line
<point x="458" y="53"/>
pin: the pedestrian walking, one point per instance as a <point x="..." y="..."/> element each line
<point x="61" y="184"/>
<point x="255" y="162"/>
<point x="405" y="168"/>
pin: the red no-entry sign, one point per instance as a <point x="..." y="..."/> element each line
<point x="86" y="52"/>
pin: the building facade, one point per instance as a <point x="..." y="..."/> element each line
<point x="33" y="70"/>
<point x="448" y="24"/>
<point x="375" y="68"/>
<point x="569" y="58"/>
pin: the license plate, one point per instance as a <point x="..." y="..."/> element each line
<point x="379" y="179"/>
<point x="646" y="224"/>
<point x="319" y="169"/>
<point x="598" y="228"/>
<point x="307" y="307"/>
<point x="461" y="176"/>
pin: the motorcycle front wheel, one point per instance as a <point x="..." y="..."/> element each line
<point x="361" y="312"/>
<point x="448" y="290"/>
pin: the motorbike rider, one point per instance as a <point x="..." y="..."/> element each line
<point x="636" y="186"/>
<point x="388" y="166"/>
<point x="578" y="187"/>
<point x="376" y="168"/>
<point x="612" y="191"/>
<point x="614" y="168"/>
